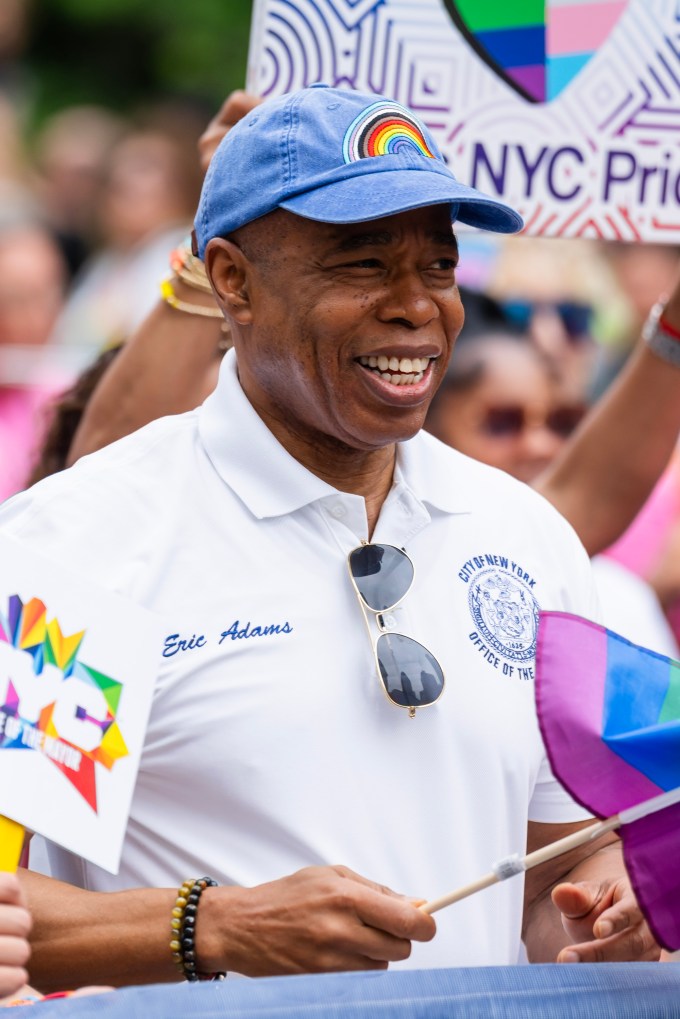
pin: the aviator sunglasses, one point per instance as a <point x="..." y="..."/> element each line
<point x="382" y="576"/>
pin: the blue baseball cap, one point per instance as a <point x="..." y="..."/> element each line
<point x="335" y="156"/>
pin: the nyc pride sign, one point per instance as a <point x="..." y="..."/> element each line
<point x="567" y="109"/>
<point x="77" y="670"/>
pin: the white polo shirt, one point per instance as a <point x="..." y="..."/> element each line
<point x="271" y="744"/>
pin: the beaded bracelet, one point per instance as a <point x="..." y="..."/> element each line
<point x="183" y="927"/>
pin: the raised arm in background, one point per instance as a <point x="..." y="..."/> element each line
<point x="610" y="465"/>
<point x="170" y="364"/>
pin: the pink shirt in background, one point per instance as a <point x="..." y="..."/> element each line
<point x="24" y="415"/>
<point x="640" y="547"/>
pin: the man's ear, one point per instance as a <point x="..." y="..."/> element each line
<point x="228" y="270"/>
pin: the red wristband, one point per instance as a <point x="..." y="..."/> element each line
<point x="668" y="329"/>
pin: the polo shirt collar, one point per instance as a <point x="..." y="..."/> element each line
<point x="438" y="475"/>
<point x="271" y="483"/>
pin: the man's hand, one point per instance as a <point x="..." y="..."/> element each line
<point x="320" y="919"/>
<point x="234" y="107"/>
<point x="15" y="926"/>
<point x="605" y="923"/>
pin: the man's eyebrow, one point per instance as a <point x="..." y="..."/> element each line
<point x="447" y="239"/>
<point x="383" y="237"/>
<point x="364" y="240"/>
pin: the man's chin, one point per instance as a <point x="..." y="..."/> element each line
<point x="384" y="440"/>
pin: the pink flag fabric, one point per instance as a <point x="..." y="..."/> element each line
<point x="609" y="712"/>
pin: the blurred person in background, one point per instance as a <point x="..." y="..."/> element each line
<point x="555" y="289"/>
<point x="503" y="403"/>
<point x="71" y="154"/>
<point x="32" y="283"/>
<point x="145" y="206"/>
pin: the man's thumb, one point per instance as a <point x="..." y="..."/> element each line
<point x="577" y="899"/>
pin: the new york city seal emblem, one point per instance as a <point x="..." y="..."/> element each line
<point x="505" y="613"/>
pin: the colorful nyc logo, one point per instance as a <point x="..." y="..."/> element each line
<point x="52" y="703"/>
<point x="536" y="46"/>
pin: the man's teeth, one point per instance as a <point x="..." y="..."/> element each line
<point x="409" y="369"/>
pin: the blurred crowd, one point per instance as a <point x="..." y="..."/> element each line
<point x="92" y="204"/>
<point x="87" y="218"/>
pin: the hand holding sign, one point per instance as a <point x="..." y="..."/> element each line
<point x="74" y="700"/>
<point x="15" y="926"/>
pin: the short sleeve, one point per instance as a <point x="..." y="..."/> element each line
<point x="551" y="803"/>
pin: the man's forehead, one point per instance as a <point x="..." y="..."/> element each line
<point x="431" y="222"/>
<point x="285" y="232"/>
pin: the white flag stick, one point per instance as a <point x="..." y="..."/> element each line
<point x="516" y="864"/>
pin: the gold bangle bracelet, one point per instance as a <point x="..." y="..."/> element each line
<point x="169" y="296"/>
<point x="190" y="269"/>
<point x="198" y="281"/>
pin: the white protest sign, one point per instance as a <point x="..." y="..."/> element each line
<point x="77" y="672"/>
<point x="567" y="109"/>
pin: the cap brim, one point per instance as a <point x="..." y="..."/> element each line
<point x="359" y="199"/>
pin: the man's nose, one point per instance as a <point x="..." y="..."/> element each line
<point x="408" y="301"/>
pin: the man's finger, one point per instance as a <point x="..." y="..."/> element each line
<point x="14" y="951"/>
<point x="619" y="917"/>
<point x="633" y="945"/>
<point x="395" y="915"/>
<point x="12" y="979"/>
<point x="11" y="891"/>
<point x="15" y="921"/>
<point x="370" y="943"/>
<point x="381" y="907"/>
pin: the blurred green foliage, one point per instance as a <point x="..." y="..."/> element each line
<point x="123" y="53"/>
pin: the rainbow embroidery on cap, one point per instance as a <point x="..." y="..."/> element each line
<point x="383" y="129"/>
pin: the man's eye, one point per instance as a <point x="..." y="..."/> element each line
<point x="364" y="263"/>
<point x="445" y="264"/>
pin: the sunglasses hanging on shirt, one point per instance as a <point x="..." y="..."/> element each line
<point x="410" y="674"/>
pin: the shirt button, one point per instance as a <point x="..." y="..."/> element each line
<point x="338" y="511"/>
<point x="389" y="621"/>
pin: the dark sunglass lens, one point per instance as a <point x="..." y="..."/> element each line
<point x="412" y="676"/>
<point x="563" y="420"/>
<point x="576" y="319"/>
<point x="519" y="313"/>
<point x="504" y="421"/>
<point x="382" y="574"/>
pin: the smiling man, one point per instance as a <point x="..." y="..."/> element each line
<point x="328" y="724"/>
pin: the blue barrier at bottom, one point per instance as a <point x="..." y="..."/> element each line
<point x="605" y="991"/>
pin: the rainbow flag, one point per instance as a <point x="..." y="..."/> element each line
<point x="536" y="46"/>
<point x="609" y="712"/>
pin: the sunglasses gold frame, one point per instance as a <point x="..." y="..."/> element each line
<point x="386" y="631"/>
